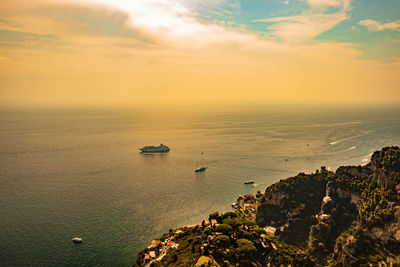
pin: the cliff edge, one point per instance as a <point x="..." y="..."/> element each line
<point x="350" y="217"/>
<point x="347" y="218"/>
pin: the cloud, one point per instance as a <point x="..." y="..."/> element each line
<point x="5" y="24"/>
<point x="164" y="22"/>
<point x="309" y="24"/>
<point x="168" y="20"/>
<point x="296" y="29"/>
<point x="18" y="39"/>
<point x="374" y="26"/>
<point x="328" y="3"/>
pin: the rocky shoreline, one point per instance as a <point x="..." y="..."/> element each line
<point x="350" y="217"/>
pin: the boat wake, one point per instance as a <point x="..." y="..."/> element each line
<point x="365" y="160"/>
<point x="335" y="142"/>
<point x="347" y="138"/>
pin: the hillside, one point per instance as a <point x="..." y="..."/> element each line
<point x="350" y="217"/>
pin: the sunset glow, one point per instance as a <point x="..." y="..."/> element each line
<point x="184" y="51"/>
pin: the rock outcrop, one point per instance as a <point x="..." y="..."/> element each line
<point x="347" y="218"/>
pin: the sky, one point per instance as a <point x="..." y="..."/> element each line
<point x="156" y="52"/>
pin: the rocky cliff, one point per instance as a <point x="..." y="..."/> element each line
<point x="350" y="217"/>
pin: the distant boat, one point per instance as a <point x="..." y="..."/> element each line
<point x="202" y="168"/>
<point x="77" y="240"/>
<point x="155" y="149"/>
<point x="249" y="182"/>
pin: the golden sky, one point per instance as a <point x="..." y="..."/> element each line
<point x="147" y="52"/>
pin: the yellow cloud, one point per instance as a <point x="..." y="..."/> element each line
<point x="327" y="3"/>
<point x="374" y="25"/>
<point x="300" y="28"/>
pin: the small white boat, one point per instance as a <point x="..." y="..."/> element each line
<point x="249" y="182"/>
<point x="77" y="240"/>
<point x="200" y="169"/>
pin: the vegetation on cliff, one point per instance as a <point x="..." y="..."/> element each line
<point x="230" y="239"/>
<point x="350" y="217"/>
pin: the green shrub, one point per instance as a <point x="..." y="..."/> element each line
<point x="259" y="230"/>
<point x="230" y="215"/>
<point x="224" y="228"/>
<point x="213" y="215"/>
<point x="208" y="230"/>
<point x="390" y="158"/>
<point x="244" y="234"/>
<point x="245" y="246"/>
<point x="374" y="196"/>
<point x="234" y="223"/>
<point x="222" y="241"/>
<point x="216" y="216"/>
<point x="249" y="223"/>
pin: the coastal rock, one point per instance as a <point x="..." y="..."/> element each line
<point x="291" y="205"/>
<point x="347" y="218"/>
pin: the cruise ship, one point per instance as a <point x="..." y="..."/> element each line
<point x="155" y="149"/>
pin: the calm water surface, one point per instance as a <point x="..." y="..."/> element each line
<point x="68" y="173"/>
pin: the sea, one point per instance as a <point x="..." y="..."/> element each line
<point x="77" y="172"/>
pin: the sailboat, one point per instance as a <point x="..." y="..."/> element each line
<point x="201" y="168"/>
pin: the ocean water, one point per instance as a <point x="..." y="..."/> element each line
<point x="78" y="173"/>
